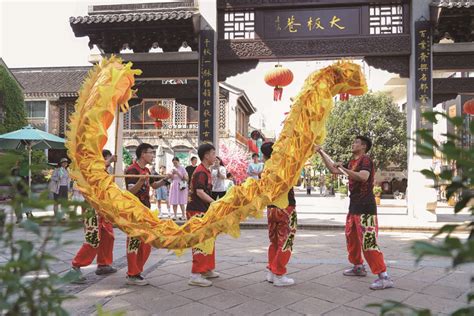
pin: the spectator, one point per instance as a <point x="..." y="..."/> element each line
<point x="178" y="194"/>
<point x="255" y="167"/>
<point x="218" y="174"/>
<point x="162" y="194"/>
<point x="229" y="182"/>
<point x="59" y="183"/>
<point x="21" y="186"/>
<point x="190" y="169"/>
<point x="308" y="185"/>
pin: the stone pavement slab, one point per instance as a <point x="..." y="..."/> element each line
<point x="316" y="265"/>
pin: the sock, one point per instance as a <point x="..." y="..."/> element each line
<point x="383" y="275"/>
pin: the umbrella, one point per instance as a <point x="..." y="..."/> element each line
<point x="30" y="138"/>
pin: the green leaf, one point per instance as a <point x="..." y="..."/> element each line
<point x="462" y="203"/>
<point x="446" y="174"/>
<point x="31" y="227"/>
<point x="456" y="121"/>
<point x="429" y="174"/>
<point x="389" y="307"/>
<point x="465" y="311"/>
<point x="422" y="248"/>
<point x="446" y="229"/>
<point x="470" y="296"/>
<point x="431" y="116"/>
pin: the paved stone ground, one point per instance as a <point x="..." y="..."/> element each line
<point x="317" y="263"/>
<point x="331" y="212"/>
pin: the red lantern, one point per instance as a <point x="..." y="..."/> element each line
<point x="278" y="77"/>
<point x="468" y="107"/>
<point x="344" y="96"/>
<point x="158" y="124"/>
<point x="159" y="113"/>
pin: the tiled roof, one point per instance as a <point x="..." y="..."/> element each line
<point x="453" y="3"/>
<point x="132" y="17"/>
<point x="51" y="81"/>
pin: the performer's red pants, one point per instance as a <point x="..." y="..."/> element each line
<point x="202" y="262"/>
<point x="281" y="231"/>
<point x="361" y="237"/>
<point x="137" y="255"/>
<point x="99" y="241"/>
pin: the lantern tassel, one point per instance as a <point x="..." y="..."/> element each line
<point x="277" y="93"/>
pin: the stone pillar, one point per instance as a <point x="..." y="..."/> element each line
<point x="208" y="98"/>
<point x="420" y="195"/>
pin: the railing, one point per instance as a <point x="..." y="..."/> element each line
<point x="167" y="133"/>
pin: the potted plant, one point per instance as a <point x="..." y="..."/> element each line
<point x="377" y="192"/>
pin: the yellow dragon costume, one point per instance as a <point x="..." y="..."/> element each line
<point x="109" y="85"/>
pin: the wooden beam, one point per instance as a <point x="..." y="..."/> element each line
<point x="453" y="86"/>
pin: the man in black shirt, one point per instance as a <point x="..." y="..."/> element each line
<point x="361" y="223"/>
<point x="190" y="169"/>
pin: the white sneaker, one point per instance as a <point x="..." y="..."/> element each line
<point x="270" y="276"/>
<point x="136" y="280"/>
<point x="210" y="274"/>
<point x="198" y="280"/>
<point x="282" y="280"/>
<point x="382" y="283"/>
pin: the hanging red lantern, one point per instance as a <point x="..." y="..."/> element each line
<point x="468" y="107"/>
<point x="344" y="96"/>
<point x="278" y="77"/>
<point x="159" y="113"/>
<point x="158" y="124"/>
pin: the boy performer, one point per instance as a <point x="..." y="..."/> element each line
<point x="282" y="224"/>
<point x="137" y="251"/>
<point x="199" y="200"/>
<point x="361" y="222"/>
<point x="99" y="238"/>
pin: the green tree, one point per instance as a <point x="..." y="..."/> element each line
<point x="11" y="99"/>
<point x="374" y="115"/>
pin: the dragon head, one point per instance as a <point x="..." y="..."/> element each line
<point x="348" y="78"/>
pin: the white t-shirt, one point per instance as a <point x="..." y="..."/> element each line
<point x="218" y="184"/>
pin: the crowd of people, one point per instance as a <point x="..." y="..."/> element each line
<point x="195" y="187"/>
<point x="175" y="192"/>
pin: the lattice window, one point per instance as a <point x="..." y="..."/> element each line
<point x="169" y="104"/>
<point x="239" y="25"/>
<point x="180" y="114"/>
<point x="65" y="112"/>
<point x="223" y="113"/>
<point x="126" y="119"/>
<point x="386" y="19"/>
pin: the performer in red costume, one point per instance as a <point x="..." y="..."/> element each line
<point x="99" y="238"/>
<point x="361" y="223"/>
<point x="137" y="251"/>
<point x="282" y="224"/>
<point x="198" y="202"/>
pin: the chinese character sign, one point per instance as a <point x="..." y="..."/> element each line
<point x="206" y="86"/>
<point x="423" y="68"/>
<point x="312" y="23"/>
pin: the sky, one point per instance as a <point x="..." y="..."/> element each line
<point x="36" y="33"/>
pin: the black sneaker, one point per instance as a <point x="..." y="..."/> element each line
<point x="101" y="270"/>
<point x="136" y="280"/>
